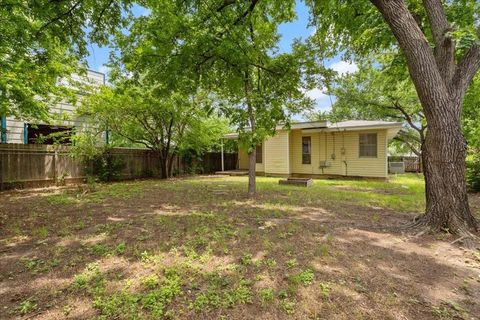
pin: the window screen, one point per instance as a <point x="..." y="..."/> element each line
<point x="306" y="150"/>
<point x="259" y="153"/>
<point x="368" y="145"/>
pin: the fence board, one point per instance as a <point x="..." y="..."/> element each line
<point x="34" y="165"/>
<point x="412" y="164"/>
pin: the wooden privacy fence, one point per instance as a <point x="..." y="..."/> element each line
<point x="34" y="165"/>
<point x="412" y="164"/>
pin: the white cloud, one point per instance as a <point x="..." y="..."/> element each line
<point x="323" y="101"/>
<point x="344" y="67"/>
<point x="315" y="94"/>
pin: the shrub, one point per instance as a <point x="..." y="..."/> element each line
<point x="473" y="172"/>
<point x="105" y="166"/>
<point x="96" y="157"/>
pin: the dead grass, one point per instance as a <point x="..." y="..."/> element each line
<point x="197" y="248"/>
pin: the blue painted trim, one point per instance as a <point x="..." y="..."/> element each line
<point x="25" y="133"/>
<point x="4" y="129"/>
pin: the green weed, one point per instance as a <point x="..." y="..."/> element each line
<point x="305" y="277"/>
<point x="324" y="289"/>
<point x="266" y="294"/>
<point x="241" y="294"/>
<point x="289" y="306"/>
<point x="246" y="259"/>
<point x="292" y="263"/>
<point x="27" y="306"/>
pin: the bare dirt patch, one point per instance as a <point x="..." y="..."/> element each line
<point x="181" y="249"/>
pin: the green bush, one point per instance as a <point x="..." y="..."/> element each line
<point x="473" y="172"/>
<point x="105" y="166"/>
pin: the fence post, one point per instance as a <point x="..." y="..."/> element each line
<point x="223" y="161"/>
<point x="55" y="166"/>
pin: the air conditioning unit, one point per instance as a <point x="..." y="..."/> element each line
<point x="325" y="164"/>
<point x="396" y="167"/>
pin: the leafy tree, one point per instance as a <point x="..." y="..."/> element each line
<point x="471" y="127"/>
<point x="385" y="93"/>
<point x="439" y="43"/>
<point x="260" y="98"/>
<point x="42" y="41"/>
<point x="227" y="48"/>
<point x="138" y="113"/>
<point x="471" y="116"/>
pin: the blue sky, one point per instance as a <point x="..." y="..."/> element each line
<point x="299" y="28"/>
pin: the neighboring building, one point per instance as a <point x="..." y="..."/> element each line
<point x="19" y="131"/>
<point x="349" y="148"/>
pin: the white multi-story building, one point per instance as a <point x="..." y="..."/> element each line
<point x="63" y="117"/>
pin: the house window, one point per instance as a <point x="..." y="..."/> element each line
<point x="368" y="145"/>
<point x="306" y="150"/>
<point x="259" y="153"/>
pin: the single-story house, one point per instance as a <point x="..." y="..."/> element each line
<point x="354" y="148"/>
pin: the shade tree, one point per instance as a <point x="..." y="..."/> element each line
<point x="229" y="49"/>
<point x="439" y="43"/>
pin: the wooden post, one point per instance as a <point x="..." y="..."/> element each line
<point x="223" y="161"/>
<point x="54" y="166"/>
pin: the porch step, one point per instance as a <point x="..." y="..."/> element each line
<point x="232" y="173"/>
<point x="303" y="182"/>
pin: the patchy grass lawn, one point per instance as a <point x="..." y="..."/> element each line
<point x="197" y="248"/>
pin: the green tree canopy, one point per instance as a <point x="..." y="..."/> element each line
<point x="471" y="116"/>
<point x="381" y="92"/>
<point x="42" y="41"/>
<point x="140" y="114"/>
<point x="229" y="49"/>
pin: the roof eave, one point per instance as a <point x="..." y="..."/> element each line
<point x="355" y="128"/>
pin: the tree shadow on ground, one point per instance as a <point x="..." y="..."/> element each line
<point x="320" y="260"/>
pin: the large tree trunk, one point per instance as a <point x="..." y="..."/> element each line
<point x="444" y="168"/>
<point x="170" y="165"/>
<point x="163" y="167"/>
<point x="441" y="86"/>
<point x="252" y="156"/>
<point x="252" y="162"/>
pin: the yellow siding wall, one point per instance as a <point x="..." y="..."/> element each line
<point x="324" y="144"/>
<point x="282" y="154"/>
<point x="367" y="167"/>
<point x="260" y="167"/>
<point x="243" y="160"/>
<point x="276" y="156"/>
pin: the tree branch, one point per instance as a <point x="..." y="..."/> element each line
<point x="249" y="10"/>
<point x="466" y="69"/>
<point x="421" y="61"/>
<point x="409" y="145"/>
<point x="396" y="105"/>
<point x="104" y="9"/>
<point x="225" y="4"/>
<point x="444" y="45"/>
<point x="60" y="16"/>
